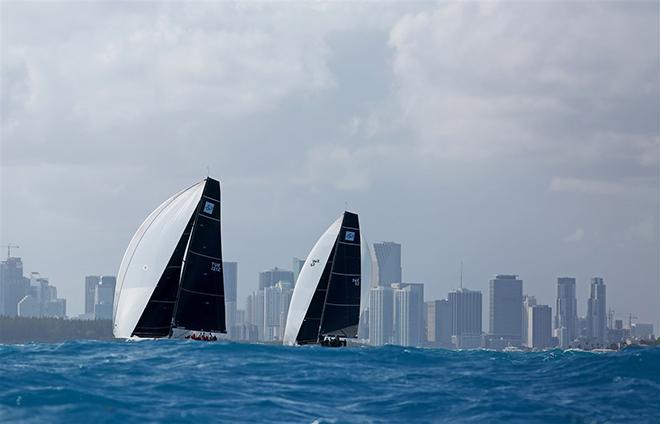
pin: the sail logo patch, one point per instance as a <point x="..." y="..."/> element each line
<point x="215" y="266"/>
<point x="350" y="236"/>
<point x="356" y="281"/>
<point x="208" y="208"/>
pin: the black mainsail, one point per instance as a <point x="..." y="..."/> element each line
<point x="335" y="306"/>
<point x="201" y="298"/>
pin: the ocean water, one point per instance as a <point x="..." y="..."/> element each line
<point x="188" y="381"/>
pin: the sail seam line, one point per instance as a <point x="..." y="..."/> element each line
<point x="202" y="293"/>
<point x="211" y="198"/>
<point x="350" y="244"/>
<point x="209" y="217"/>
<point x="203" y="255"/>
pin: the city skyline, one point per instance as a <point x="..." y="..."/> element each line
<point x="597" y="327"/>
<point x="495" y="149"/>
<point x="396" y="313"/>
<point x="239" y="302"/>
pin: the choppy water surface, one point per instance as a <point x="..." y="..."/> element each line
<point x="175" y="381"/>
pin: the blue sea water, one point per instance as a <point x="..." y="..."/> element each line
<point x="188" y="381"/>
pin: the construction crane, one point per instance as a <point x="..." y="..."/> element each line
<point x="9" y="246"/>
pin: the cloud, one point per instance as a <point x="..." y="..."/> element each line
<point x="344" y="167"/>
<point x="586" y="186"/>
<point x="601" y="187"/>
<point x="555" y="82"/>
<point x="576" y="236"/>
<point x="160" y="66"/>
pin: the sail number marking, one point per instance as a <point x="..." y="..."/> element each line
<point x="216" y="266"/>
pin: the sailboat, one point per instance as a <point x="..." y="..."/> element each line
<point x="325" y="305"/>
<point x="170" y="281"/>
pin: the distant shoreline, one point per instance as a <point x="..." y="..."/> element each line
<point x="52" y="330"/>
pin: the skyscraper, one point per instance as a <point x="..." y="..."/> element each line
<point x="230" y="276"/>
<point x="55" y="308"/>
<point x="28" y="307"/>
<point x="566" y="312"/>
<point x="388" y="260"/>
<point x="297" y="267"/>
<point x="439" y="323"/>
<point x="408" y="325"/>
<point x="506" y="308"/>
<point x="381" y="308"/>
<point x="539" y="332"/>
<point x="91" y="281"/>
<point x="254" y="311"/>
<point x="527" y="302"/>
<point x="597" y="312"/>
<point x="13" y="285"/>
<point x="465" y="308"/>
<point x="272" y="276"/>
<point x="104" y="297"/>
<point x="276" y="307"/>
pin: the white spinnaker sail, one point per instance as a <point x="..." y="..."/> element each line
<point x="147" y="256"/>
<point x="308" y="280"/>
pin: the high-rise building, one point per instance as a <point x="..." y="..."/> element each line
<point x="381" y="309"/>
<point x="566" y="318"/>
<point x="597" y="312"/>
<point x="230" y="277"/>
<point x="439" y="323"/>
<point x="642" y="331"/>
<point x="539" y="330"/>
<point x="388" y="261"/>
<point x="55" y="308"/>
<point x="254" y="312"/>
<point x="104" y="296"/>
<point x="91" y="281"/>
<point x="99" y="297"/>
<point x="240" y="316"/>
<point x="28" y="307"/>
<point x="465" y="308"/>
<point x="297" y="267"/>
<point x="506" y="308"/>
<point x="276" y="308"/>
<point x="39" y="288"/>
<point x="408" y="322"/>
<point x="527" y="302"/>
<point x="272" y="276"/>
<point x="13" y="286"/>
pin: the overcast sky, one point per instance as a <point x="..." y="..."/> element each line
<point x="518" y="137"/>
